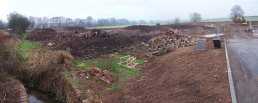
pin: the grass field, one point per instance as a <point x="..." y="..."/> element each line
<point x="248" y="18"/>
<point x="114" y="27"/>
<point x="111" y="65"/>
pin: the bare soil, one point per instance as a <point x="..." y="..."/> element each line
<point x="182" y="76"/>
<point x="130" y="40"/>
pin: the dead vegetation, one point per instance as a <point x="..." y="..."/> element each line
<point x="96" y="73"/>
<point x="43" y="60"/>
<point x="11" y="90"/>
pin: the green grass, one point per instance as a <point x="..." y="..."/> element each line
<point x="71" y="79"/>
<point x="252" y="18"/>
<point x="218" y="20"/>
<point x="26" y="47"/>
<point x="114" y="88"/>
<point x="111" y="65"/>
<point x="248" y="18"/>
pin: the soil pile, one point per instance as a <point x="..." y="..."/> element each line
<point x="78" y="29"/>
<point x="42" y="34"/>
<point x="70" y="30"/>
<point x="4" y="35"/>
<point x="144" y="28"/>
<point x="170" y="41"/>
<point x="182" y="76"/>
<point x="94" y="47"/>
<point x="99" y="33"/>
<point x="1" y="36"/>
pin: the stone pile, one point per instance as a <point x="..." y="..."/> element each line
<point x="170" y="41"/>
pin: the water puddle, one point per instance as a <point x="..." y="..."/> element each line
<point x="36" y="96"/>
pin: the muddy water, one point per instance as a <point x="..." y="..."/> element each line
<point x="36" y="96"/>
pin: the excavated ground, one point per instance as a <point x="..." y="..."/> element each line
<point x="182" y="76"/>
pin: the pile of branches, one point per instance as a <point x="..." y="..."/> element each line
<point x="96" y="73"/>
<point x="170" y="41"/>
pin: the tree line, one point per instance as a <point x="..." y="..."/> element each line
<point x="19" y="23"/>
<point x="44" y="22"/>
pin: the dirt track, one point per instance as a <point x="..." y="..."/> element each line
<point x="183" y="76"/>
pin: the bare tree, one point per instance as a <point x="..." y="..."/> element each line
<point x="79" y="22"/>
<point x="195" y="17"/>
<point x="44" y="21"/>
<point x="38" y="22"/>
<point x="237" y="12"/>
<point x="57" y="21"/>
<point x="102" y="22"/>
<point x="176" y="20"/>
<point x="2" y="25"/>
<point x="141" y="22"/>
<point x="68" y="22"/>
<point x="32" y="22"/>
<point x="89" y="21"/>
<point x="18" y="23"/>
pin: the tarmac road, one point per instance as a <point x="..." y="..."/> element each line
<point x="243" y="58"/>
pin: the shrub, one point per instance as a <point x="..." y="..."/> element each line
<point x="18" y="23"/>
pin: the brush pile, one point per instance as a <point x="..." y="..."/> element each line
<point x="96" y="73"/>
<point x="170" y="41"/>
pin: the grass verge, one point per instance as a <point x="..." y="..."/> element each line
<point x="112" y="65"/>
<point x="26" y="47"/>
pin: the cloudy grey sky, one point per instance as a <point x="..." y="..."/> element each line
<point x="129" y="9"/>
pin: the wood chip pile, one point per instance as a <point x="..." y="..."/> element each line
<point x="170" y="41"/>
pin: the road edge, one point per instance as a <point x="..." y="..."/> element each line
<point x="230" y="77"/>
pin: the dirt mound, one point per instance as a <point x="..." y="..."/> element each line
<point x="79" y="29"/>
<point x="182" y="76"/>
<point x="189" y="26"/>
<point x="42" y="34"/>
<point x="170" y="41"/>
<point x="144" y="28"/>
<point x="1" y="36"/>
<point x="95" y="47"/>
<point x="99" y="33"/>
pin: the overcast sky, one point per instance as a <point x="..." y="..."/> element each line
<point x="129" y="9"/>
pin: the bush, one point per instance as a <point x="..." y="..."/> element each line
<point x="18" y="23"/>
